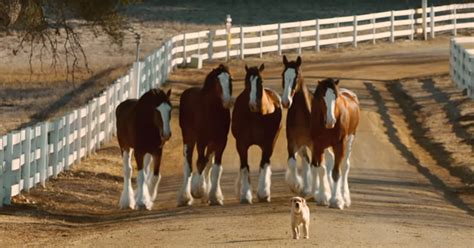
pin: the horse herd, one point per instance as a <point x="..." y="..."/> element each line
<point x="324" y="122"/>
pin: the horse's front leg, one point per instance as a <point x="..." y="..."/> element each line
<point x="265" y="177"/>
<point x="323" y="193"/>
<point x="292" y="177"/>
<point x="307" y="177"/>
<point x="345" y="171"/>
<point x="143" y="194"/>
<point x="127" y="199"/>
<point x="336" y="199"/>
<point x="200" y="179"/>
<point x="185" y="198"/>
<point x="215" y="194"/>
<point x="155" y="178"/>
<point x="243" y="188"/>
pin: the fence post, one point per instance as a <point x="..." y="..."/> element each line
<point x="242" y="46"/>
<point x="78" y="132"/>
<point x="8" y="176"/>
<point x="317" y="36"/>
<point x="354" y="34"/>
<point x="89" y="129"/>
<point x="2" y="164"/>
<point x="261" y="42"/>
<point x="97" y="116"/>
<point x="54" y="140"/>
<point x="412" y="25"/>
<point x="392" y="27"/>
<point x="454" y="13"/>
<point x="372" y="21"/>
<point x="432" y="22"/>
<point x="67" y="132"/>
<point x="43" y="166"/>
<point x="135" y="82"/>
<point x="424" y="5"/>
<point x="299" y="39"/>
<point x="27" y="151"/>
<point x="279" y="39"/>
<point x="210" y="45"/>
<point x="184" y="49"/>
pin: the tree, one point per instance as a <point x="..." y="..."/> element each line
<point x="49" y="27"/>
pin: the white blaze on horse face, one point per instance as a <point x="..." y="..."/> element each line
<point x="165" y="110"/>
<point x="290" y="75"/>
<point x="330" y="100"/>
<point x="224" y="80"/>
<point x="253" y="91"/>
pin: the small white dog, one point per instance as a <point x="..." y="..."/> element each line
<point x="299" y="217"/>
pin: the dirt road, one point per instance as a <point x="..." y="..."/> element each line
<point x="401" y="195"/>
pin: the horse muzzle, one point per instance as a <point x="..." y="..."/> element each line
<point x="286" y="104"/>
<point x="254" y="107"/>
<point x="227" y="104"/>
<point x="165" y="137"/>
<point x="330" y="125"/>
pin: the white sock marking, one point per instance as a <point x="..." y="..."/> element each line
<point x="324" y="191"/>
<point x="292" y="178"/>
<point x="245" y="190"/>
<point x="143" y="193"/>
<point x="127" y="198"/>
<point x="153" y="184"/>
<point x="345" y="173"/>
<point x="216" y="197"/>
<point x="264" y="183"/>
<point x="185" y="198"/>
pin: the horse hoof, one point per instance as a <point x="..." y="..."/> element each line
<point x="216" y="203"/>
<point x="336" y="203"/>
<point x="320" y="202"/>
<point x="245" y="201"/>
<point x="142" y="207"/>
<point x="183" y="202"/>
<point x="264" y="199"/>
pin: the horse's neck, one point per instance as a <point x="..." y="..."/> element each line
<point x="301" y="88"/>
<point x="270" y="101"/>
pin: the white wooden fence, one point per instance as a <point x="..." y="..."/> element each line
<point x="462" y="63"/>
<point x="33" y="154"/>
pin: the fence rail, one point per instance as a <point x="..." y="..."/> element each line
<point x="32" y="155"/>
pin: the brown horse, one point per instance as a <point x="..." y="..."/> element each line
<point x="255" y="121"/>
<point x="334" y="120"/>
<point x="297" y="98"/>
<point x="204" y="118"/>
<point x="143" y="126"/>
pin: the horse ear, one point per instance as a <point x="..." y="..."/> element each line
<point x="298" y="61"/>
<point x="168" y="94"/>
<point x="337" y="82"/>
<point x="262" y="67"/>
<point x="285" y="60"/>
<point x="246" y="68"/>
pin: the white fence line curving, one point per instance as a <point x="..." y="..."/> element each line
<point x="33" y="154"/>
<point x="462" y="63"/>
